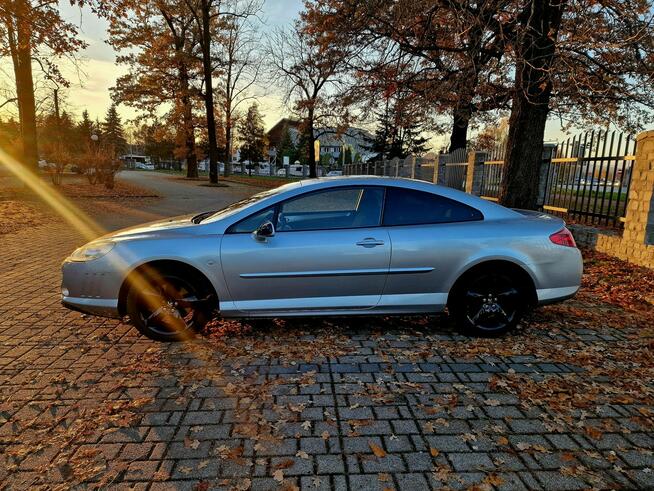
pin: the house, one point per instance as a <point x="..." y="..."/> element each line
<point x="331" y="142"/>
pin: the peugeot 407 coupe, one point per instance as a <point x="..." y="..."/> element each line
<point x="330" y="247"/>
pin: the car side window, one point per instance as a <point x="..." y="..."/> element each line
<point x="411" y="207"/>
<point x="251" y="223"/>
<point x="354" y="207"/>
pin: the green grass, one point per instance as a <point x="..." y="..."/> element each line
<point x="606" y="195"/>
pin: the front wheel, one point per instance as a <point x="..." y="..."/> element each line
<point x="167" y="307"/>
<point x="489" y="303"/>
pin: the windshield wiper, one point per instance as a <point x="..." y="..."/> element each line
<point x="202" y="216"/>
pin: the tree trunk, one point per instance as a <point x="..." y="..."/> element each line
<point x="228" y="139"/>
<point x="312" y="146"/>
<point x="21" y="52"/>
<point x="533" y="87"/>
<point x="459" y="135"/>
<point x="187" y="123"/>
<point x="208" y="87"/>
<point x="228" y="118"/>
<point x="466" y="90"/>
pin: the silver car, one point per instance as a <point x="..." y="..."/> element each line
<point x="330" y="247"/>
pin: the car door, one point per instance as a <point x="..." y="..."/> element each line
<point x="328" y="253"/>
<point x="430" y="235"/>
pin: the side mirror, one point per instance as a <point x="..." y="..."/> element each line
<point x="265" y="230"/>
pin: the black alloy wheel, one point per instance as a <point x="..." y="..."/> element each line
<point x="168" y="307"/>
<point x="489" y="304"/>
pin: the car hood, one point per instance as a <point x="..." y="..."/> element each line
<point x="180" y="225"/>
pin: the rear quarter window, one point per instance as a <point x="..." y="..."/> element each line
<point x="412" y="207"/>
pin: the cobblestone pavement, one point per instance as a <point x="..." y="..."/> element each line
<point x="342" y="404"/>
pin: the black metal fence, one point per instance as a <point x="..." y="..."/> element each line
<point x="589" y="178"/>
<point x="585" y="178"/>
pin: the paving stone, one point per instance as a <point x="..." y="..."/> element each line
<point x="330" y="464"/>
<point x="470" y="461"/>
<point x="365" y="482"/>
<point x="300" y="466"/>
<point x="411" y="482"/>
<point x="390" y="463"/>
<point x="57" y="364"/>
<point x="446" y="443"/>
<point x="556" y="481"/>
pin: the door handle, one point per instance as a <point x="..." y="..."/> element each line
<point x="370" y="242"/>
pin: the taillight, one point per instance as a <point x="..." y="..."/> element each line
<point x="564" y="238"/>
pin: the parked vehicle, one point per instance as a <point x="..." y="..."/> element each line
<point x="334" y="173"/>
<point x="294" y="170"/>
<point x="323" y="247"/>
<point x="144" y="166"/>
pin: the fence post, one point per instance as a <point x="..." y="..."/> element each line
<point x="549" y="150"/>
<point x="395" y="163"/>
<point x="475" y="172"/>
<point x="411" y="162"/>
<point x="440" y="177"/>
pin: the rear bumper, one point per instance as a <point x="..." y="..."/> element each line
<point x="103" y="307"/>
<point x="552" y="295"/>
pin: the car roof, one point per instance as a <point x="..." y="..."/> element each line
<point x="490" y="209"/>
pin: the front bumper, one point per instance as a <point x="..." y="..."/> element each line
<point x="103" y="307"/>
<point x="91" y="287"/>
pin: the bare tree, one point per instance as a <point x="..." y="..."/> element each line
<point x="241" y="65"/>
<point x="309" y="74"/>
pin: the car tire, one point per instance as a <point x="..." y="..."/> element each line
<point x="488" y="303"/>
<point x="167" y="306"/>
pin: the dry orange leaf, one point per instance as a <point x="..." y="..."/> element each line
<point x="434" y="452"/>
<point x="377" y="450"/>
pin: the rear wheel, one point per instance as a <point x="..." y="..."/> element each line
<point x="168" y="307"/>
<point x="488" y="303"/>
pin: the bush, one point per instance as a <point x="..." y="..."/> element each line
<point x="99" y="164"/>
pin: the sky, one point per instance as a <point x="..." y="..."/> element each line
<point x="90" y="89"/>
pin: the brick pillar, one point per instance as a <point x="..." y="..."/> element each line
<point x="637" y="242"/>
<point x="475" y="172"/>
<point x="639" y="221"/>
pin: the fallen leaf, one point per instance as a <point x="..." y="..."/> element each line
<point x="278" y="475"/>
<point x="377" y="450"/>
<point x="285" y="464"/>
<point x="434" y="452"/>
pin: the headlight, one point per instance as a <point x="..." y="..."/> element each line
<point x="91" y="251"/>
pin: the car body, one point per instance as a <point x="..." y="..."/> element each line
<point x="334" y="246"/>
<point x="334" y="173"/>
<point x="144" y="166"/>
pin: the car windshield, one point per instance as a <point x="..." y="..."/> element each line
<point x="239" y="205"/>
